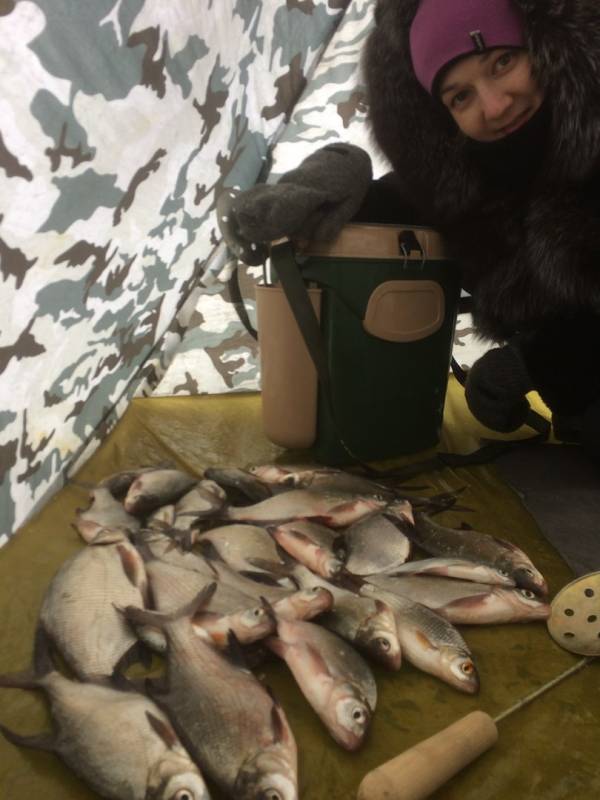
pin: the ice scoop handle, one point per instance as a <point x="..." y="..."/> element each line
<point x="416" y="773"/>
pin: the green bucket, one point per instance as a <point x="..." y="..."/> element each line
<point x="388" y="304"/>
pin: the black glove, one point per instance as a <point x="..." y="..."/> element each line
<point x="313" y="201"/>
<point x="496" y="387"/>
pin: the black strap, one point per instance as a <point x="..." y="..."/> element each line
<point x="297" y="295"/>
<point x="235" y="294"/>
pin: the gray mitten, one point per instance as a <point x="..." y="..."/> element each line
<point x="313" y="201"/>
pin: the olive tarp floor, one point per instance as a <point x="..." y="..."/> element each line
<point x="547" y="750"/>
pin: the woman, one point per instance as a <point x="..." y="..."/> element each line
<point x="489" y="112"/>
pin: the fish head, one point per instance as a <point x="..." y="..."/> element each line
<point x="188" y="786"/>
<point x="526" y="576"/>
<point x="378" y="635"/>
<point x="528" y="604"/>
<point x="255" y="623"/>
<point x="459" y="669"/>
<point x="271" y="774"/>
<point x="350" y="716"/>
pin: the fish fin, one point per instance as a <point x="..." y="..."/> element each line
<point x="299" y="537"/>
<point x="269" y="609"/>
<point x="163" y="730"/>
<point x="41" y="741"/>
<point x="318" y="662"/>
<point x="27" y="679"/>
<point x="209" y="551"/>
<point x="424" y="641"/>
<point x="235" y="651"/>
<point x="43" y="645"/>
<point x="259" y="577"/>
<point x="277" y="646"/>
<point x="133" y="566"/>
<point x="281" y="731"/>
<point x="273" y="567"/>
<point x="86" y="528"/>
<point x="143" y="549"/>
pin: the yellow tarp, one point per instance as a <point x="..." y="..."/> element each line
<point x="547" y="751"/>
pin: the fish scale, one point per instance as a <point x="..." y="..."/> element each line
<point x="78" y="611"/>
<point x="106" y="737"/>
<point x="223" y="714"/>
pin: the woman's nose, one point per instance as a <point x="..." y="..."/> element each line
<point x="495" y="103"/>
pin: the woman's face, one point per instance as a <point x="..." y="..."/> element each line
<point x="491" y="94"/>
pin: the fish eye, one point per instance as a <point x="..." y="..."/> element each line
<point x="503" y="572"/>
<point x="183" y="794"/>
<point x="271" y="794"/>
<point x="528" y="571"/>
<point x="528" y="594"/>
<point x="315" y="589"/>
<point x="383" y="644"/>
<point x="257" y="612"/>
<point x="467" y="667"/>
<point x="358" y="715"/>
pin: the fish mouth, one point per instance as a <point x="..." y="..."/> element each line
<point x="527" y="578"/>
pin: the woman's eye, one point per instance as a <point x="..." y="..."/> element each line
<point x="504" y="60"/>
<point x="460" y="98"/>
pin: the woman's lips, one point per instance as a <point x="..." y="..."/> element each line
<point x="516" y="123"/>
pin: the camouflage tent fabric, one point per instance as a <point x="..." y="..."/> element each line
<point x="120" y="122"/>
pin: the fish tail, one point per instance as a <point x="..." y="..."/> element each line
<point x="42" y="741"/>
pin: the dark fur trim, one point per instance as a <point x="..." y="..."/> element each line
<point x="531" y="251"/>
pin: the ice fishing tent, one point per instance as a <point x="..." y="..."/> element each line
<point x="121" y="121"/>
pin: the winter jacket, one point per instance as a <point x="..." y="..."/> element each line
<point x="522" y="214"/>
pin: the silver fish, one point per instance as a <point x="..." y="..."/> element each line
<point x="204" y="500"/>
<point x="78" y="611"/>
<point x="236" y="543"/>
<point x="304" y="604"/>
<point x="331" y="509"/>
<point x="375" y="544"/>
<point x="335" y="680"/>
<point x="466" y="602"/>
<point x="242" y="481"/>
<point x="232" y="727"/>
<point x="103" y="511"/>
<point x="156" y="488"/>
<point x="311" y="544"/>
<point x="472" y="545"/>
<point x="455" y="568"/>
<point x="119" y="742"/>
<point x="369" y="625"/>
<point x="428" y="641"/>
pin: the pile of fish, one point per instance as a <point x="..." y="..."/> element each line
<point x="328" y="570"/>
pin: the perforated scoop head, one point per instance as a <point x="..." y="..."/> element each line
<point x="574" y="622"/>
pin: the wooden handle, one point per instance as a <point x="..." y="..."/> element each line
<point x="416" y="773"/>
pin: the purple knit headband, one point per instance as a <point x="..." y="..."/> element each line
<point x="443" y="30"/>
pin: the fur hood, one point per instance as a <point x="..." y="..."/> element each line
<point x="529" y="243"/>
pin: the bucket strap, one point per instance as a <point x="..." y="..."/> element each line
<point x="297" y="295"/>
